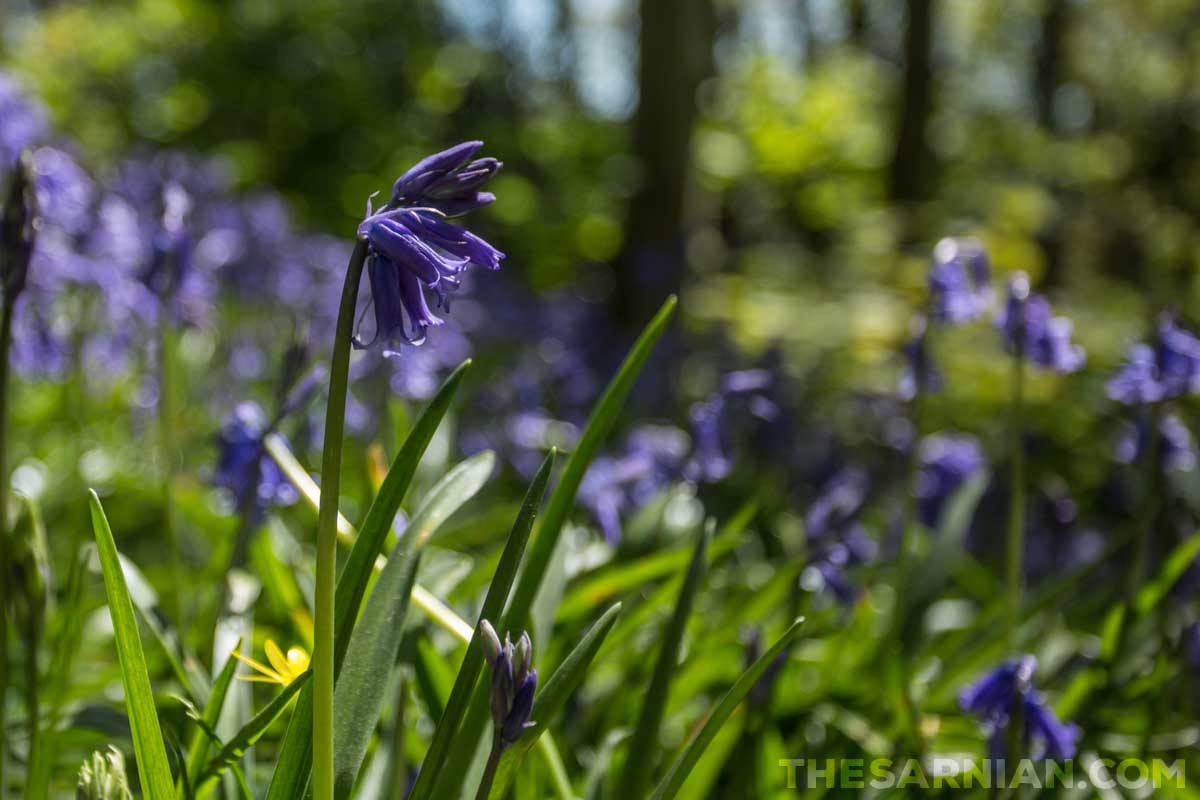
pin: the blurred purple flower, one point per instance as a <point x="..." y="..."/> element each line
<point x="614" y="485"/>
<point x="739" y="391"/>
<point x="997" y="695"/>
<point x="836" y="541"/>
<point x="22" y="121"/>
<point x="414" y="248"/>
<point x="921" y="375"/>
<point x="1177" y="447"/>
<point x="1031" y="330"/>
<point x="947" y="461"/>
<point x="1168" y="367"/>
<point x="244" y="467"/>
<point x="959" y="285"/>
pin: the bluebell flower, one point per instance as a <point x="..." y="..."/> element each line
<point x="1031" y="330"/>
<point x="1177" y="447"/>
<point x="616" y="484"/>
<point x="244" y="466"/>
<point x="710" y="460"/>
<point x="1168" y="367"/>
<point x="22" y="121"/>
<point x="514" y="683"/>
<point x="1007" y="689"/>
<point x="947" y="461"/>
<point x="836" y="540"/>
<point x="921" y="374"/>
<point x="959" y="281"/>
<point x="413" y="248"/>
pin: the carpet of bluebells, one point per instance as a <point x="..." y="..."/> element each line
<point x="184" y="349"/>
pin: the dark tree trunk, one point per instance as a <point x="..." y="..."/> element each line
<point x="857" y="22"/>
<point x="675" y="56"/>
<point x="911" y="178"/>
<point x="1047" y="77"/>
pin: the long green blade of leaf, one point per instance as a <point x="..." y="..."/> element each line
<point x="677" y="774"/>
<point x="545" y="539"/>
<point x="212" y="712"/>
<point x="295" y="757"/>
<point x="253" y="730"/>
<point x="367" y="669"/>
<point x="153" y="767"/>
<point x="493" y="605"/>
<point x="554" y="695"/>
<point x="450" y="493"/>
<point x="643" y="744"/>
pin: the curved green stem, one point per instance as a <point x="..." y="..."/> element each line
<point x="6" y="324"/>
<point x="1016" y="509"/>
<point x="489" y="772"/>
<point x="327" y="525"/>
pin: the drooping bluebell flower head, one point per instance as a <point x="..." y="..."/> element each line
<point x="514" y="683"/>
<point x="1176" y="448"/>
<point x="1031" y="330"/>
<point x="1168" y="367"/>
<point x="244" y="467"/>
<point x="22" y="122"/>
<point x="740" y="390"/>
<point x="959" y="281"/>
<point x="1003" y="691"/>
<point x="921" y="374"/>
<point x="948" y="460"/>
<point x="616" y="484"/>
<point x="413" y="248"/>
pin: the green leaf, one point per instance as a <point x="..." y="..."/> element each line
<point x="562" y="499"/>
<point x="367" y="669"/>
<point x="253" y="730"/>
<point x="554" y="695"/>
<point x="678" y="773"/>
<point x="493" y="605"/>
<point x="448" y="495"/>
<point x="1173" y="568"/>
<point x="153" y="767"/>
<point x="640" y="755"/>
<point x="212" y="713"/>
<point x="545" y="539"/>
<point x="295" y="757"/>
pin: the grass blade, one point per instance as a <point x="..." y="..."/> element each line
<point x="493" y="605"/>
<point x="678" y="773"/>
<point x="545" y="538"/>
<point x="458" y="486"/>
<point x="366" y="672"/>
<point x="253" y="730"/>
<point x="153" y="767"/>
<point x="643" y="744"/>
<point x="554" y="695"/>
<point x="295" y="757"/>
<point x="209" y="717"/>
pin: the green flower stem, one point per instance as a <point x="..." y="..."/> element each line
<point x="1151" y="493"/>
<point x="167" y="446"/>
<point x="1016" y="509"/>
<point x="6" y="324"/>
<point x="327" y="529"/>
<point x="908" y="708"/>
<point x="489" y="772"/>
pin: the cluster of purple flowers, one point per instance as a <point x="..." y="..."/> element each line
<point x="514" y="683"/>
<point x="959" y="281"/>
<point x="244" y="467"/>
<point x="836" y="540"/>
<point x="1166" y="368"/>
<point x="1007" y="692"/>
<point x="947" y="461"/>
<point x="1031" y="330"/>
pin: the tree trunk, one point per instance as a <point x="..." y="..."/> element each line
<point x="911" y="178"/>
<point x="676" y="55"/>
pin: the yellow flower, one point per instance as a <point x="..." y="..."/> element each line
<point x="283" y="669"/>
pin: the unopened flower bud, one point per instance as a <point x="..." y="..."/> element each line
<point x="522" y="657"/>
<point x="102" y="777"/>
<point x="489" y="641"/>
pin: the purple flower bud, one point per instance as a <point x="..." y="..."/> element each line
<point x="959" y="281"/>
<point x="489" y="641"/>
<point x="446" y="181"/>
<point x="517" y="720"/>
<point x="513" y="684"/>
